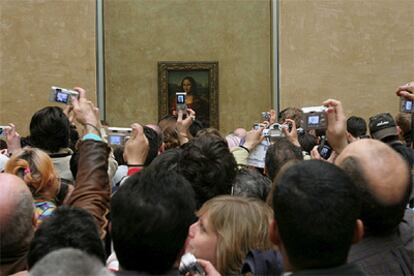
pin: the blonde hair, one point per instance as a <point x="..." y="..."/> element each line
<point x="241" y="224"/>
<point x="36" y="169"/>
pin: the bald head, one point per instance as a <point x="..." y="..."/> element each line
<point x="16" y="214"/>
<point x="383" y="178"/>
<point x="386" y="173"/>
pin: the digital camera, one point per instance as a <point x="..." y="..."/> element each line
<point x="62" y="95"/>
<point x="266" y="116"/>
<point x="324" y="149"/>
<point x="2" y="128"/>
<point x="189" y="264"/>
<point x="180" y="100"/>
<point x="118" y="135"/>
<point x="274" y="131"/>
<point x="406" y="105"/>
<point x="314" y="117"/>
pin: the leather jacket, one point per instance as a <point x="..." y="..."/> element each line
<point x="92" y="191"/>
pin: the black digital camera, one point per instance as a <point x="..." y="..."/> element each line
<point x="314" y="117"/>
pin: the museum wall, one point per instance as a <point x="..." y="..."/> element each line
<point x="139" y="34"/>
<point x="357" y="51"/>
<point x="43" y="43"/>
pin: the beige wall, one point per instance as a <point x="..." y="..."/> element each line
<point x="139" y="33"/>
<point x="357" y="51"/>
<point x="43" y="43"/>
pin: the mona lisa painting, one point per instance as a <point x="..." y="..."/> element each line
<point x="199" y="80"/>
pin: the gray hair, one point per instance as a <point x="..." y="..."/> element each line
<point x="69" y="262"/>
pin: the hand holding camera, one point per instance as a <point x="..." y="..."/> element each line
<point x="85" y="112"/>
<point x="183" y="124"/>
<point x="336" y="125"/>
<point x="406" y="97"/>
<point x="291" y="132"/>
<point x="137" y="146"/>
<point x="190" y="265"/>
<point x="62" y="95"/>
<point x="12" y="137"/>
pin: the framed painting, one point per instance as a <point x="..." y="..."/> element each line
<point x="199" y="80"/>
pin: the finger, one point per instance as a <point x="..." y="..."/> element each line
<point x="315" y="153"/>
<point x="82" y="92"/>
<point x="191" y="112"/>
<point x="292" y="122"/>
<point x="285" y="131"/>
<point x="180" y="115"/>
<point x="136" y="130"/>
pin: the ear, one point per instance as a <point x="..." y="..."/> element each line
<point x="359" y="231"/>
<point x="349" y="137"/>
<point x="34" y="219"/>
<point x="399" y="131"/>
<point x="274" y="232"/>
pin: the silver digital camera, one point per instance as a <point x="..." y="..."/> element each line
<point x="274" y="131"/>
<point x="314" y="117"/>
<point x="189" y="265"/>
<point x="406" y="105"/>
<point x="118" y="135"/>
<point x="62" y="95"/>
<point x="2" y="129"/>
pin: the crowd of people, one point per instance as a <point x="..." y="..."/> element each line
<point x="331" y="200"/>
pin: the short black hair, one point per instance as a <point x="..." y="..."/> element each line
<point x="251" y="183"/>
<point x="151" y="214"/>
<point x="195" y="127"/>
<point x="118" y="151"/>
<point x="153" y="138"/>
<point x="307" y="141"/>
<point x="209" y="165"/>
<point x="67" y="227"/>
<point x="50" y="129"/>
<point x="379" y="218"/>
<point x="280" y="153"/>
<point x="357" y="126"/>
<point x="316" y="206"/>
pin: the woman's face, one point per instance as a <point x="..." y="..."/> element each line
<point x="187" y="86"/>
<point x="202" y="240"/>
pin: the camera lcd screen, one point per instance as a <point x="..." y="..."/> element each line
<point x="61" y="97"/>
<point x="115" y="140"/>
<point x="180" y="99"/>
<point x="408" y="106"/>
<point x="313" y="120"/>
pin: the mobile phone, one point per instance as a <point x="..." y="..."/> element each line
<point x="180" y="100"/>
<point x="325" y="150"/>
<point x="406" y="105"/>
